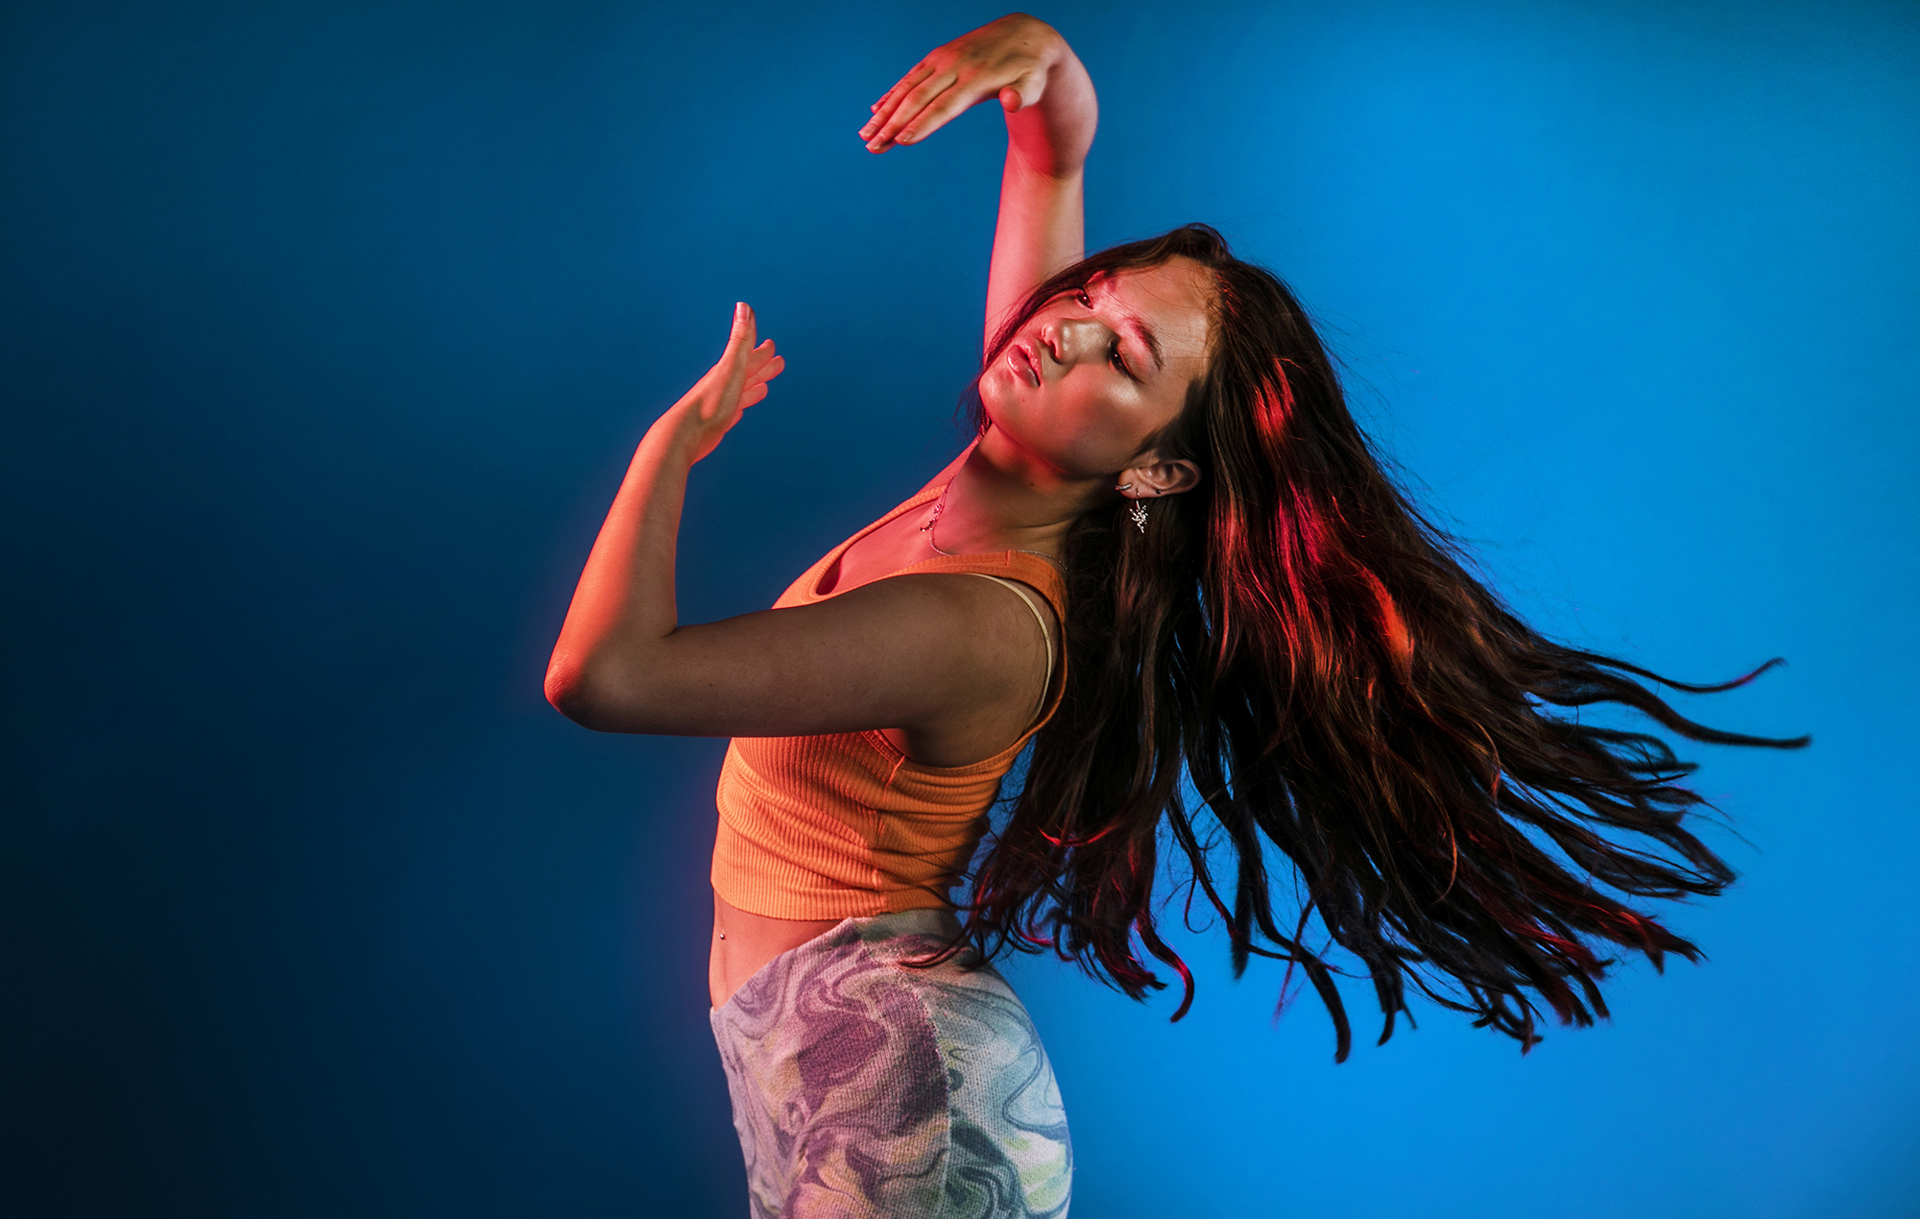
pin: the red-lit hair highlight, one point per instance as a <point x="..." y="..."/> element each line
<point x="1294" y="642"/>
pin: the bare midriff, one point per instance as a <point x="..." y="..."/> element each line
<point x="743" y="942"/>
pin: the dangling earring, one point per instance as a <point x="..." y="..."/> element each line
<point x="1139" y="510"/>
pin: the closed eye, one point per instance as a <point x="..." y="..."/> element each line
<point x="1114" y="355"/>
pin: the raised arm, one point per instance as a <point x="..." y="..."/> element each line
<point x="1051" y="113"/>
<point x="949" y="662"/>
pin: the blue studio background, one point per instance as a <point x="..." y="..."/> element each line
<point x="328" y="329"/>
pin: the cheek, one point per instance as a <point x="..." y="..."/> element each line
<point x="1101" y="432"/>
<point x="1089" y="425"/>
<point x="1122" y="419"/>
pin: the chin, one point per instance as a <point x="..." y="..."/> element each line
<point x="993" y="399"/>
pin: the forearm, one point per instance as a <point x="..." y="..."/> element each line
<point x="1042" y="228"/>
<point x="1042" y="225"/>
<point x="623" y="606"/>
<point x="612" y="642"/>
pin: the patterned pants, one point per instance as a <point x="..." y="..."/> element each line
<point x="865" y="1088"/>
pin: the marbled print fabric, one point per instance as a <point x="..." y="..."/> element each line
<point x="865" y="1088"/>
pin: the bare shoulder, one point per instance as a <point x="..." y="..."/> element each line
<point x="997" y="641"/>
<point x="979" y="624"/>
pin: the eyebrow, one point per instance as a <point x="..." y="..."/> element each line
<point x="1146" y="339"/>
<point x="1141" y="334"/>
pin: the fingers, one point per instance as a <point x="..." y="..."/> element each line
<point x="739" y="351"/>
<point x="897" y="98"/>
<point x="740" y="338"/>
<point x="737" y="381"/>
<point x="767" y="369"/>
<point x="769" y="366"/>
<point x="910" y="106"/>
<point x="890" y="100"/>
<point x="760" y="357"/>
<point x="899" y="103"/>
<point x="740" y="342"/>
<point x="940" y="111"/>
<point x="745" y="364"/>
<point x="920" y="72"/>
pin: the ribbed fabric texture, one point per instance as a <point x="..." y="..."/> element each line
<point x="845" y="825"/>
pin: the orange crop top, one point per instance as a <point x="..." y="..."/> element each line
<point x="844" y="824"/>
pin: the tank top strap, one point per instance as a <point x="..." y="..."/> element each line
<point x="1026" y="598"/>
<point x="1018" y="565"/>
<point x="1037" y="573"/>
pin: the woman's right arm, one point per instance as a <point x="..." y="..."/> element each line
<point x="1051" y="114"/>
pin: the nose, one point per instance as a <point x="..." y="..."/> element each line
<point x="1076" y="340"/>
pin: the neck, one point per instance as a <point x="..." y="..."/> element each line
<point x="1002" y="499"/>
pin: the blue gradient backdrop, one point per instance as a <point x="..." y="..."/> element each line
<point x="328" y="329"/>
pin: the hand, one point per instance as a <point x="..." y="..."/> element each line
<point x="1009" y="59"/>
<point x="717" y="399"/>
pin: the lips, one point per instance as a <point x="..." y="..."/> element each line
<point x="1020" y="360"/>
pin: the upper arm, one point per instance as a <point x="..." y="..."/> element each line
<point x="924" y="652"/>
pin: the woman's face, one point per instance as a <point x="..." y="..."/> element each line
<point x="1093" y="375"/>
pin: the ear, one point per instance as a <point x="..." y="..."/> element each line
<point x="1155" y="477"/>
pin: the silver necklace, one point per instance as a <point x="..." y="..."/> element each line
<point x="940" y="506"/>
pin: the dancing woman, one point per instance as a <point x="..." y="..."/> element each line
<point x="1170" y="555"/>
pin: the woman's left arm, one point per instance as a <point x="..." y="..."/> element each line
<point x="1051" y="112"/>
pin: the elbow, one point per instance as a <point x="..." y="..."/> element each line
<point x="609" y="694"/>
<point x="627" y="685"/>
<point x="572" y="691"/>
<point x="562" y="688"/>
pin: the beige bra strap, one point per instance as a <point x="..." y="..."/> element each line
<point x="1046" y="632"/>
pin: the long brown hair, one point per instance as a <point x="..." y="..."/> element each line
<point x="1295" y="638"/>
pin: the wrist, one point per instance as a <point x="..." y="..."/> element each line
<point x="674" y="438"/>
<point x="1053" y="136"/>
